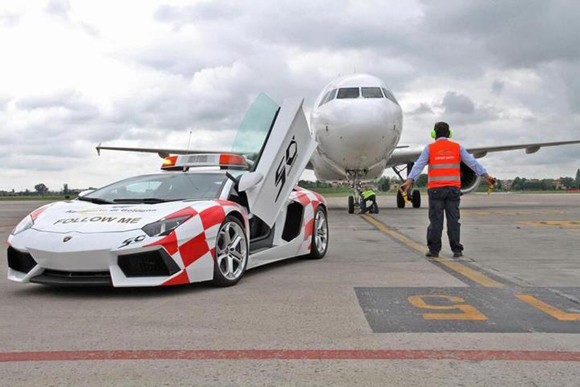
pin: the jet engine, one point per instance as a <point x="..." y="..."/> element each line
<point x="469" y="180"/>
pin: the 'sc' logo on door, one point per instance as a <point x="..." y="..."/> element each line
<point x="285" y="166"/>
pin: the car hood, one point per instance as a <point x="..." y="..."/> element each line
<point x="85" y="217"/>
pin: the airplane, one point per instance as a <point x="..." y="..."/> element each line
<point x="357" y="122"/>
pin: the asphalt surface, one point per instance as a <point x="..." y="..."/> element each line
<point x="374" y="311"/>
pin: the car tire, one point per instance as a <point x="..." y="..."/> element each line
<point x="231" y="253"/>
<point x="319" y="241"/>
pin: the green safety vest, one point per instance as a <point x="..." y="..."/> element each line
<point x="367" y="193"/>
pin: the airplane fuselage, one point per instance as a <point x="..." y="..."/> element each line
<point x="357" y="123"/>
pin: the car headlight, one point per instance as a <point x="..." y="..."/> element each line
<point x="164" y="226"/>
<point x="28" y="222"/>
<point x="24" y="225"/>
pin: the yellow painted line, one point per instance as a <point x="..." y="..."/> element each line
<point x="548" y="309"/>
<point x="457" y="267"/>
<point x="470" y="273"/>
<point x="398" y="236"/>
<point x="554" y="223"/>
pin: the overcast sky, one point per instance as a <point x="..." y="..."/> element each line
<point x="147" y="73"/>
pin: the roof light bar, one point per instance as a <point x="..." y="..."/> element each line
<point x="223" y="160"/>
<point x="169" y="162"/>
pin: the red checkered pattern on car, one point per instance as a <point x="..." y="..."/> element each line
<point x="192" y="245"/>
<point x="310" y="200"/>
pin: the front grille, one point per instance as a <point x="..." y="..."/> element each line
<point x="68" y="278"/>
<point x="20" y="261"/>
<point x="148" y="264"/>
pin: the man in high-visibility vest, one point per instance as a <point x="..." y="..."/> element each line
<point x="368" y="194"/>
<point x="444" y="158"/>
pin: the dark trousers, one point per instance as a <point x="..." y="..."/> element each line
<point x="444" y="200"/>
<point x="363" y="203"/>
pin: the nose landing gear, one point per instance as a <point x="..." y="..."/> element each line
<point x="351" y="204"/>
<point x="354" y="177"/>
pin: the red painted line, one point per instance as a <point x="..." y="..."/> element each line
<point x="354" y="354"/>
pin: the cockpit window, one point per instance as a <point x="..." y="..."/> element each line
<point x="328" y="97"/>
<point x="348" y="92"/>
<point x="390" y="96"/>
<point x="371" y="92"/>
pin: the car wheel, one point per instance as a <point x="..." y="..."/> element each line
<point x="319" y="243"/>
<point x="231" y="253"/>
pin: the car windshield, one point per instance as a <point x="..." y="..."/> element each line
<point x="158" y="188"/>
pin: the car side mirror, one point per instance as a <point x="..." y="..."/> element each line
<point x="249" y="181"/>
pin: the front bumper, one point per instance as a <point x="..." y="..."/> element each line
<point x="78" y="259"/>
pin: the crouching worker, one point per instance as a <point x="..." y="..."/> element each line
<point x="368" y="195"/>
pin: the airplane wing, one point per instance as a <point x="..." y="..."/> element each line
<point x="410" y="154"/>
<point x="404" y="155"/>
<point x="250" y="135"/>
<point x="162" y="152"/>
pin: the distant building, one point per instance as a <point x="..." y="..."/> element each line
<point x="558" y="184"/>
<point x="507" y="184"/>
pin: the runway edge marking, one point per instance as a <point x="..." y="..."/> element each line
<point x="453" y="265"/>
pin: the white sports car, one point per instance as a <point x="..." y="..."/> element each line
<point x="205" y="217"/>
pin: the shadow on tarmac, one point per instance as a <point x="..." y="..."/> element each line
<point x="95" y="292"/>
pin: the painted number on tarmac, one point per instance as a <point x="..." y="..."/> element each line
<point x="457" y="310"/>
<point x="470" y="309"/>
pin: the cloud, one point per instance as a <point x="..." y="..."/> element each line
<point x="148" y="74"/>
<point x="497" y="87"/>
<point x="58" y="8"/>
<point x="519" y="34"/>
<point x="68" y="99"/>
<point x="200" y="12"/>
<point x="454" y="103"/>
<point x="9" y="19"/>
<point x="423" y="108"/>
<point x="457" y="109"/>
<point x="345" y="24"/>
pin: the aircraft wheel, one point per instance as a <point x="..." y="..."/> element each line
<point x="400" y="200"/>
<point x="351" y="205"/>
<point x="416" y="198"/>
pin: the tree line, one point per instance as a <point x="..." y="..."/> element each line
<point x="42" y="189"/>
<point x="517" y="184"/>
<point x="382" y="184"/>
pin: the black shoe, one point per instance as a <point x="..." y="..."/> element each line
<point x="431" y="254"/>
<point x="457" y="254"/>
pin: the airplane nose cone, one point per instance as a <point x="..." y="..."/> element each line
<point x="358" y="134"/>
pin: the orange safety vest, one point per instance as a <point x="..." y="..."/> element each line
<point x="444" y="164"/>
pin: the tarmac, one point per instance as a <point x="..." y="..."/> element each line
<point x="374" y="312"/>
